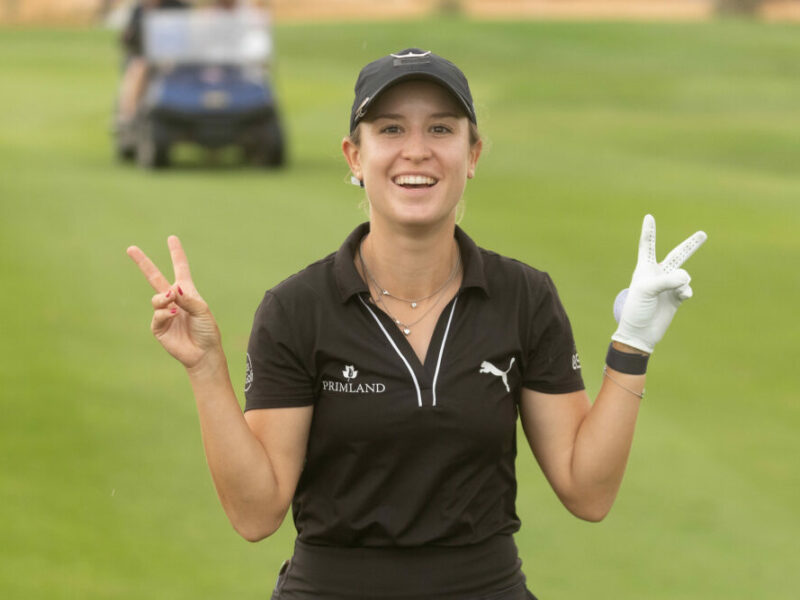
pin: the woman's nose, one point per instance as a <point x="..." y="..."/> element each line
<point x="416" y="146"/>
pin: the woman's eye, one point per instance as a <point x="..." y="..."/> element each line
<point x="391" y="129"/>
<point x="441" y="129"/>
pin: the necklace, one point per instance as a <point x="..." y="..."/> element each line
<point x="406" y="327"/>
<point x="414" y="303"/>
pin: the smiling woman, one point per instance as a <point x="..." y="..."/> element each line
<point x="384" y="382"/>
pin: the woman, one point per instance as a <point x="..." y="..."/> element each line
<point x="384" y="381"/>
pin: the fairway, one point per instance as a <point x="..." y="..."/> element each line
<point x="104" y="491"/>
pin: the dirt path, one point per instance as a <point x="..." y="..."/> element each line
<point x="87" y="11"/>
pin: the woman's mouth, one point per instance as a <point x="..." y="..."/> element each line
<point x="414" y="181"/>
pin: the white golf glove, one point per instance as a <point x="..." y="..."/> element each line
<point x="645" y="309"/>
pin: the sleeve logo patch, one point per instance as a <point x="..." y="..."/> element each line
<point x="248" y="376"/>
<point x="576" y="362"/>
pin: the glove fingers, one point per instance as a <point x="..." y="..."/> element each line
<point x="647" y="242"/>
<point x="668" y="281"/>
<point x="681" y="253"/>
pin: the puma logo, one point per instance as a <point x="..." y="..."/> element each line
<point x="487" y="367"/>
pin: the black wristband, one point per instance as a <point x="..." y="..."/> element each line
<point x="626" y="362"/>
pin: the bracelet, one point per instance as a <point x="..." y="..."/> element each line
<point x="626" y="362"/>
<point x="640" y="396"/>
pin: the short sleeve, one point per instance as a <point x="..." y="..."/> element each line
<point x="552" y="364"/>
<point x="277" y="375"/>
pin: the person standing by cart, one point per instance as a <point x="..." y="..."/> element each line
<point x="135" y="70"/>
<point x="385" y="380"/>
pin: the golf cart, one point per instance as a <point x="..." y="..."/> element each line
<point x="207" y="85"/>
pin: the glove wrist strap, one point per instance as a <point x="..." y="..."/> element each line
<point x="626" y="362"/>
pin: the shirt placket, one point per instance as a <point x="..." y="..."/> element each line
<point x="424" y="381"/>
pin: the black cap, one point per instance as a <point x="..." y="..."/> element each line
<point x="411" y="63"/>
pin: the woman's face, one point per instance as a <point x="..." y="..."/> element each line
<point x="414" y="156"/>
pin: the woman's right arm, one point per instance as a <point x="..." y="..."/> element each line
<point x="255" y="459"/>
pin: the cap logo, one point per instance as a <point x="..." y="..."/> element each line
<point x="409" y="58"/>
<point x="361" y="111"/>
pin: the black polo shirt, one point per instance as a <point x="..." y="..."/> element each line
<point x="403" y="453"/>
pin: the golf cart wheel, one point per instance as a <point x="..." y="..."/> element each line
<point x="125" y="153"/>
<point x="124" y="146"/>
<point x="123" y="136"/>
<point x="277" y="150"/>
<point x="269" y="150"/>
<point x="151" y="152"/>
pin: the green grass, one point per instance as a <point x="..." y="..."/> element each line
<point x="103" y="486"/>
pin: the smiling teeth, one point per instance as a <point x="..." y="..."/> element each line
<point x="414" y="180"/>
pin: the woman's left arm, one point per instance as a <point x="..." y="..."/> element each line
<point x="581" y="446"/>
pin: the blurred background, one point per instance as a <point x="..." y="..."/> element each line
<point x="594" y="113"/>
<point x="82" y="11"/>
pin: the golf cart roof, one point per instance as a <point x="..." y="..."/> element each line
<point x="207" y="36"/>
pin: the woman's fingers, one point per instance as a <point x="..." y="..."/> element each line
<point x="176" y="296"/>
<point x="162" y="318"/>
<point x="164" y="310"/>
<point x="154" y="277"/>
<point x="180" y="264"/>
<point x="165" y="299"/>
<point x="189" y="300"/>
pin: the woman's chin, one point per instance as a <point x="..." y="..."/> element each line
<point x="423" y="220"/>
<point x="416" y="216"/>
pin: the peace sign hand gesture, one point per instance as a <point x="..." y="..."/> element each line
<point x="182" y="322"/>
<point x="645" y="309"/>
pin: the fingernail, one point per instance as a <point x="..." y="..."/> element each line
<point x="168" y="293"/>
<point x="180" y="291"/>
<point x="173" y="310"/>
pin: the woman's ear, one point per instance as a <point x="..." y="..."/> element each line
<point x="353" y="156"/>
<point x="474" y="155"/>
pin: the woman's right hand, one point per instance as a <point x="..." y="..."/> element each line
<point x="182" y="322"/>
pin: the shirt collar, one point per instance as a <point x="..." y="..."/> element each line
<point x="347" y="278"/>
<point x="349" y="282"/>
<point x="474" y="274"/>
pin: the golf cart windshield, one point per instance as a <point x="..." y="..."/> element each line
<point x="207" y="36"/>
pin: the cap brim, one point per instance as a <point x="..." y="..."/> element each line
<point x="364" y="108"/>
